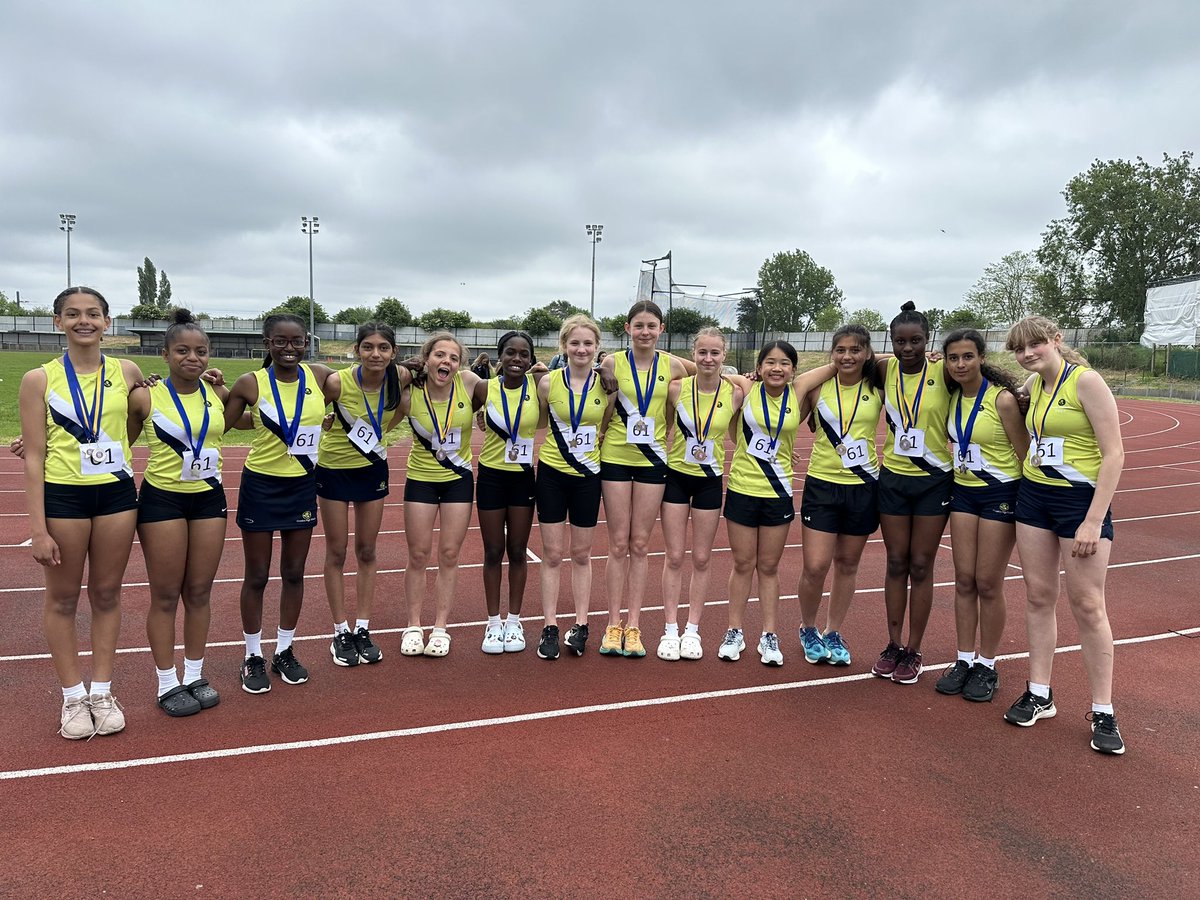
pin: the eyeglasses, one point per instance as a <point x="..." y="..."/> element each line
<point x="280" y="343"/>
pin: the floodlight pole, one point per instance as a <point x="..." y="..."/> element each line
<point x="310" y="226"/>
<point x="67" y="221"/>
<point x="594" y="232"/>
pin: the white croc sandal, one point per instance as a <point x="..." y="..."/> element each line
<point x="439" y="643"/>
<point x="689" y="647"/>
<point x="412" y="641"/>
<point x="668" y="648"/>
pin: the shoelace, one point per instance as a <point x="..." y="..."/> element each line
<point x="771" y="640"/>
<point x="1103" y="723"/>
<point x="833" y="640"/>
<point x="812" y="639"/>
<point x="83" y="703"/>
<point x="732" y="636"/>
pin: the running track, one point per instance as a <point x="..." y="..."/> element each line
<point x="509" y="775"/>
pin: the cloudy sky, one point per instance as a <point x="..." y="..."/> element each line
<point x="455" y="151"/>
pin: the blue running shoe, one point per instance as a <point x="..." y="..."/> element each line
<point x="839" y="653"/>
<point x="815" y="650"/>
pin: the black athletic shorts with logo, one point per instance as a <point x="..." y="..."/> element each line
<point x="500" y="488"/>
<point x="915" y="495"/>
<point x="157" y="505"/>
<point x="1058" y="509"/>
<point x="360" y="485"/>
<point x="851" y="509"/>
<point x="753" y="512"/>
<point x="87" y="501"/>
<point x="997" y="502"/>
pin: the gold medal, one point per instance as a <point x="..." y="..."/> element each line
<point x="577" y="440"/>
<point x="698" y="452"/>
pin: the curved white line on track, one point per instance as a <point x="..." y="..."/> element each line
<point x="497" y="721"/>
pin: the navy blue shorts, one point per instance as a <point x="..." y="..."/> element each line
<point x="698" y="491"/>
<point x="561" y="496"/>
<point x="500" y="489"/>
<point x="361" y="485"/>
<point x="656" y="474"/>
<point x="276" y="502"/>
<point x="87" y="501"/>
<point x="915" y="495"/>
<point x="754" y="512"/>
<point x="997" y="502"/>
<point x="460" y="490"/>
<point x="158" y="505"/>
<point x="1058" y="509"/>
<point x="850" y="509"/>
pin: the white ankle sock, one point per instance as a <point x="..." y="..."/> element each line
<point x="493" y="621"/>
<point x="672" y="629"/>
<point x="75" y="692"/>
<point x="253" y="643"/>
<point x="1102" y="708"/>
<point x="984" y="661"/>
<point x="167" y="679"/>
<point x="514" y="618"/>
<point x="1040" y="690"/>
<point x="968" y="657"/>
<point x="364" y="624"/>
<point x="340" y="627"/>
<point x="192" y="669"/>
<point x="691" y="629"/>
<point x="101" y="687"/>
<point x="284" y="638"/>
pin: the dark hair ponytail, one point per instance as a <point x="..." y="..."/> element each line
<point x="910" y="315"/>
<point x="181" y="320"/>
<point x="391" y="377"/>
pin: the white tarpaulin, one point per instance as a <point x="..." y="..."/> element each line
<point x="1171" y="314"/>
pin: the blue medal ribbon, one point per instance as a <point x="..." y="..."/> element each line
<point x="289" y="429"/>
<point x="1062" y="378"/>
<point x="914" y="410"/>
<point x="702" y="436"/>
<point x="92" y="422"/>
<point x="196" y="444"/>
<point x="576" y="420"/>
<point x="843" y="425"/>
<point x="375" y="417"/>
<point x="643" y="404"/>
<point x="439" y="432"/>
<point x="787" y="389"/>
<point x="964" y="435"/>
<point x="514" y="428"/>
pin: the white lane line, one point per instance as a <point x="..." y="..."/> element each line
<point x="497" y="721"/>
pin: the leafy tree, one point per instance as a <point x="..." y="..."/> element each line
<point x="9" y="307"/>
<point x="751" y="316"/>
<point x="147" y="311"/>
<point x="613" y="324"/>
<point x="541" y="321"/>
<point x="829" y="317"/>
<point x="682" y="320"/>
<point x="870" y="319"/>
<point x="509" y="324"/>
<point x="164" y="291"/>
<point x="935" y="317"/>
<point x="794" y="289"/>
<point x="562" y="309"/>
<point x="298" y="306"/>
<point x="963" y="317"/>
<point x="354" y="315"/>
<point x="394" y="312"/>
<point x="1127" y="224"/>
<point x="442" y="319"/>
<point x="1006" y="291"/>
<point x="1063" y="289"/>
<point x="147" y="284"/>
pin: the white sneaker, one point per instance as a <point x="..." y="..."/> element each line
<point x="732" y="645"/>
<point x="514" y="637"/>
<point x="689" y="646"/>
<point x="668" y="648"/>
<point x="768" y="649"/>
<point x="77" y="721"/>
<point x="493" y="639"/>
<point x="106" y="713"/>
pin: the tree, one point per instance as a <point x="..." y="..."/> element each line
<point x="1127" y="224"/>
<point x="298" y="306"/>
<point x="393" y="312"/>
<point x="794" y="289"/>
<point x="164" y="291"/>
<point x="147" y="285"/>
<point x="935" y="317"/>
<point x="443" y="319"/>
<point x="9" y="307"/>
<point x="682" y="320"/>
<point x="963" y="317"/>
<point x="541" y="321"/>
<point x="870" y="319"/>
<point x="614" y="325"/>
<point x="1006" y="291"/>
<point x="562" y="310"/>
<point x="829" y="318"/>
<point x="147" y="311"/>
<point x="510" y="324"/>
<point x="354" y="315"/>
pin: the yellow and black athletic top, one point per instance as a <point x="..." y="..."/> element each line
<point x="555" y="451"/>
<point x="750" y="475"/>
<point x="269" y="447"/>
<point x="1060" y="415"/>
<point x="846" y="414"/>
<point x="423" y="464"/>
<point x="496" y="447"/>
<point x="67" y="426"/>
<point x="698" y="413"/>
<point x="904" y="411"/>
<point x="169" y="439"/>
<point x="616" y="448"/>
<point x="998" y="462"/>
<point x="337" y="451"/>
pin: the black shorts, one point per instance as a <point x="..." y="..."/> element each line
<point x="157" y="505"/>
<point x="656" y="474"/>
<point x="276" y="502"/>
<point x="87" y="501"/>
<point x="754" y="512"/>
<point x="500" y="489"/>
<point x="851" y="509"/>
<point x="561" y="496"/>
<point x="1058" y="509"/>
<point x="698" y="491"/>
<point x="360" y="485"/>
<point x="460" y="490"/>
<point x="915" y="495"/>
<point x="997" y="502"/>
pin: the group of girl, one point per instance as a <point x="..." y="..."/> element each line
<point x="644" y="432"/>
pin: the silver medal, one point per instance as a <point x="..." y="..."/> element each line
<point x="905" y="443"/>
<point x="441" y="454"/>
<point x="841" y="449"/>
<point x="512" y="453"/>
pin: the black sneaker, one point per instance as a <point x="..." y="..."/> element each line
<point x="343" y="649"/>
<point x="255" y="679"/>
<point x="287" y="667"/>
<point x="577" y="639"/>
<point x="548" y="645"/>
<point x="981" y="684"/>
<point x="953" y="678"/>
<point x="1106" y="737"/>
<point x="1029" y="708"/>
<point x="367" y="651"/>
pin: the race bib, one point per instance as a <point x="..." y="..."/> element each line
<point x="101" y="458"/>
<point x="639" y="430"/>
<point x="972" y="460"/>
<point x="910" y="443"/>
<point x="698" y="452"/>
<point x="362" y="436"/>
<point x="582" y="441"/>
<point x="760" y="446"/>
<point x="198" y="468"/>
<point x="1047" y="451"/>
<point x="451" y="442"/>
<point x="519" y="451"/>
<point x="306" y="441"/>
<point x="856" y="453"/>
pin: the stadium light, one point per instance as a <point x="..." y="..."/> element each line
<point x="310" y="225"/>
<point x="594" y="232"/>
<point x="67" y="225"/>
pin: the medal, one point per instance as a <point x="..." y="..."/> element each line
<point x="576" y="419"/>
<point x="905" y="443"/>
<point x="639" y="427"/>
<point x="577" y="440"/>
<point x="1063" y="372"/>
<point x="197" y="445"/>
<point x="513" y="425"/>
<point x="289" y="429"/>
<point x="96" y="456"/>
<point x="643" y="403"/>
<point x="441" y="454"/>
<point x="842" y="423"/>
<point x="1038" y="458"/>
<point x="513" y="453"/>
<point x="787" y="390"/>
<point x="440" y="433"/>
<point x="699" y="452"/>
<point x="841" y="449"/>
<point x="909" y="412"/>
<point x="90" y="420"/>
<point x="376" y="418"/>
<point x="964" y="434"/>
<point x="702" y="435"/>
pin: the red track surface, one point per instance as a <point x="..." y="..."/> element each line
<point x="802" y="780"/>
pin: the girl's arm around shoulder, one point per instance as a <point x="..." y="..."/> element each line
<point x="681" y="367"/>
<point x="1013" y="421"/>
<point x="471" y="383"/>
<point x="814" y="378"/>
<point x="139" y="399"/>
<point x="243" y="394"/>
